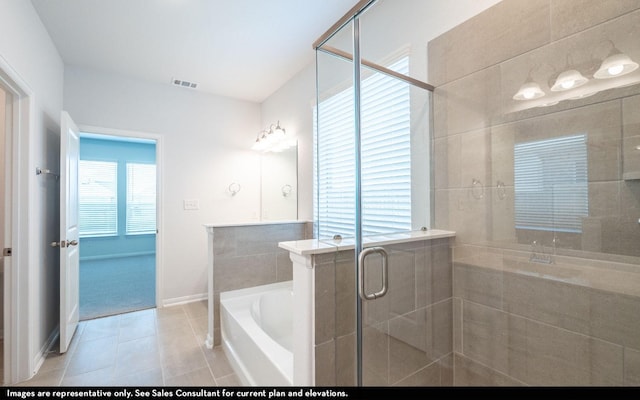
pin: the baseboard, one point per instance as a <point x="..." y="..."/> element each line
<point x="121" y="255"/>
<point x="46" y="349"/>
<point x="184" y="299"/>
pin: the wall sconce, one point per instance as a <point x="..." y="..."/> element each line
<point x="616" y="64"/>
<point x="273" y="139"/>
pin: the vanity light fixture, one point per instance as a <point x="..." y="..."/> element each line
<point x="616" y="64"/>
<point x="273" y="139"/>
<point x="529" y="91"/>
<point x="569" y="79"/>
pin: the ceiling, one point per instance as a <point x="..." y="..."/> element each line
<point x="244" y="49"/>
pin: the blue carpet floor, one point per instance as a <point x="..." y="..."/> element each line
<point x="118" y="285"/>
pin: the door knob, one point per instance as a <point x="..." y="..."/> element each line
<point x="64" y="243"/>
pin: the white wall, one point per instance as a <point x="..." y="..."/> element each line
<point x="27" y="48"/>
<point x="207" y="146"/>
<point x="386" y="27"/>
<point x="292" y="105"/>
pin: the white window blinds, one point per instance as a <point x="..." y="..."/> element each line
<point x="386" y="158"/>
<point x="141" y="198"/>
<point x="98" y="198"/>
<point x="551" y="184"/>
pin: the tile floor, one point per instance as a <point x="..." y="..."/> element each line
<point x="153" y="347"/>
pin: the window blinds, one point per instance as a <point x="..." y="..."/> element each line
<point x="551" y="184"/>
<point x="141" y="198"/>
<point x="98" y="198"/>
<point x="385" y="155"/>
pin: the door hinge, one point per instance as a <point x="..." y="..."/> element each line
<point x="7" y="252"/>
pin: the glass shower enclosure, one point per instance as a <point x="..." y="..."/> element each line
<point x="528" y="148"/>
<point x="372" y="140"/>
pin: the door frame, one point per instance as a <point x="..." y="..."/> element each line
<point x="128" y="134"/>
<point x="19" y="290"/>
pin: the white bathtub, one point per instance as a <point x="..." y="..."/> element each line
<point x="257" y="328"/>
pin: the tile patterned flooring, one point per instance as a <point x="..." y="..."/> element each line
<point x="153" y="347"/>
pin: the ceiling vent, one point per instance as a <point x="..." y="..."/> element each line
<point x="181" y="83"/>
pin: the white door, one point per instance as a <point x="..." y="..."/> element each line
<point x="69" y="219"/>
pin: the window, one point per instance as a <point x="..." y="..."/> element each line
<point x="98" y="198"/>
<point x="551" y="192"/>
<point x="141" y="199"/>
<point x="386" y="158"/>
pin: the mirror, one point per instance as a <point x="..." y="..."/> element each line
<point x="279" y="180"/>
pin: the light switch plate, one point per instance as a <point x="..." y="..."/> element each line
<point x="191" y="204"/>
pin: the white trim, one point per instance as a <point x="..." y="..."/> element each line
<point x="119" y="255"/>
<point x="159" y="140"/>
<point x="46" y="349"/>
<point x="176" y="301"/>
<point x="18" y="287"/>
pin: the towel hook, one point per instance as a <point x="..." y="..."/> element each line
<point x="234" y="188"/>
<point x="286" y="190"/>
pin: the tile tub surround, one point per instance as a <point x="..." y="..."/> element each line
<point x="243" y="255"/>
<point x="407" y="333"/>
<point x="574" y="322"/>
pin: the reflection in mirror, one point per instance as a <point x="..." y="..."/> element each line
<point x="279" y="179"/>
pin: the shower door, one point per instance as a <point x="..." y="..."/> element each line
<point x="372" y="188"/>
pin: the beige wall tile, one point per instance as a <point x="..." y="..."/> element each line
<point x="375" y="349"/>
<point x="440" y="280"/>
<point x="448" y="162"/>
<point x="631" y="134"/>
<point x="345" y="296"/>
<point x="244" y="271"/>
<point x="441" y="215"/>
<point x="559" y="357"/>
<point x="615" y="318"/>
<point x="470" y="373"/>
<point x="468" y="104"/>
<point x="325" y="303"/>
<point x="486" y="335"/>
<point x="446" y="370"/>
<point x="545" y="300"/>
<point x="402" y="278"/>
<point x="631" y="367"/>
<point x="427" y="376"/>
<point x="476" y="158"/>
<point x="569" y="17"/>
<point x="477" y="284"/>
<point x="346" y="360"/>
<point x="326" y="364"/>
<point x="404" y="360"/>
<point x="457" y="324"/>
<point x="523" y="25"/>
<point x="284" y="267"/>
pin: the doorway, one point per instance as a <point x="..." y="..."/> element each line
<point x="118" y="224"/>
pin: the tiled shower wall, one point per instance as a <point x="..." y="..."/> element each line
<point x="407" y="335"/>
<point x="576" y="321"/>
<point x="248" y="255"/>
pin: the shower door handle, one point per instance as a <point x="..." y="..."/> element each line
<point x="361" y="273"/>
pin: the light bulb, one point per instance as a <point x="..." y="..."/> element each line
<point x="568" y="84"/>
<point x="528" y="91"/>
<point x="568" y="80"/>
<point x="615" y="65"/>
<point x="615" y="70"/>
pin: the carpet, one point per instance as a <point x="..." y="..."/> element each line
<point x="118" y="285"/>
